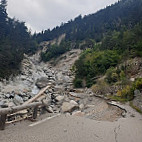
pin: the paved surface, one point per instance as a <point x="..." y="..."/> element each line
<point x="74" y="129"/>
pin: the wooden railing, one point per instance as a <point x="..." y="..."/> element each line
<point x="30" y="104"/>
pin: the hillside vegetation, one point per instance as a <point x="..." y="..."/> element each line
<point x="15" y="40"/>
<point x="108" y="39"/>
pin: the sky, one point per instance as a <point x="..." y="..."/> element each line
<point x="44" y="14"/>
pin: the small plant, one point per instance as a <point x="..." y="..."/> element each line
<point x="138" y="84"/>
<point x="126" y="93"/>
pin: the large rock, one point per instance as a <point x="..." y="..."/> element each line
<point x="35" y="90"/>
<point x="18" y="100"/>
<point x="3" y="104"/>
<point x="69" y="106"/>
<point x="59" y="98"/>
<point x="42" y="82"/>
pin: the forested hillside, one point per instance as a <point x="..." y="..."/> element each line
<point x="15" y="40"/>
<point x="108" y="39"/>
<point x="125" y="13"/>
<point x="116" y="27"/>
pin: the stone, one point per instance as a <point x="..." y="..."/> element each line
<point x="42" y="82"/>
<point x="35" y="90"/>
<point x="50" y="110"/>
<point x="76" y="95"/>
<point x="69" y="106"/>
<point x="132" y="79"/>
<point x="78" y="113"/>
<point x="7" y="95"/>
<point x="18" y="100"/>
<point x="59" y="98"/>
<point x="74" y="102"/>
<point x="137" y="93"/>
<point x="81" y="106"/>
<point x="3" y="104"/>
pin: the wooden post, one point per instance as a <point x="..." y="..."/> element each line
<point x="35" y="112"/>
<point x="2" y="121"/>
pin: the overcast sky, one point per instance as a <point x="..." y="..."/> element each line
<point x="43" y="14"/>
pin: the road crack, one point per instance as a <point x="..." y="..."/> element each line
<point x="116" y="130"/>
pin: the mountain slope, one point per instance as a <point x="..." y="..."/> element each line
<point x="125" y="13"/>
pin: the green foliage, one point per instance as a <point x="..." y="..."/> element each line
<point x="92" y="64"/>
<point x="123" y="14"/>
<point x="126" y="93"/>
<point x="15" y="40"/>
<point x="138" y="84"/>
<point x="114" y="75"/>
<point x="127" y="42"/>
<point x="55" y="50"/>
<point x="77" y="83"/>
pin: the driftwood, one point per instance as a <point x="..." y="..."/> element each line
<point x="37" y="96"/>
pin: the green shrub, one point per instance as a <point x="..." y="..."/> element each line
<point x="77" y="83"/>
<point x="138" y="84"/>
<point x="112" y="76"/>
<point x="127" y="93"/>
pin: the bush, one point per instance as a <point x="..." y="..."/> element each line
<point x="112" y="76"/>
<point x="95" y="63"/>
<point x="138" y="84"/>
<point x="126" y="93"/>
<point x="77" y="83"/>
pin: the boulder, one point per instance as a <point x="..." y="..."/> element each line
<point x="42" y="82"/>
<point x="69" y="106"/>
<point x="81" y="106"/>
<point x="3" y="104"/>
<point x="35" y="90"/>
<point x="59" y="98"/>
<point x="18" y="100"/>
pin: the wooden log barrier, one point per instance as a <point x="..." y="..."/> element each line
<point x="5" y="111"/>
<point x="2" y="121"/>
<point x="35" y="112"/>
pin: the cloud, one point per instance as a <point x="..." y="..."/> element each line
<point x="43" y="14"/>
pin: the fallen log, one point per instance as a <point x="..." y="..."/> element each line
<point x="15" y="109"/>
<point x="5" y="111"/>
<point x="19" y="108"/>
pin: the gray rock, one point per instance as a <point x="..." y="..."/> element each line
<point x="76" y="95"/>
<point x="18" y="100"/>
<point x="137" y="93"/>
<point x="59" y="98"/>
<point x="81" y="106"/>
<point x="35" y="90"/>
<point x="7" y="95"/>
<point x="69" y="106"/>
<point x="3" y="104"/>
<point x="42" y="82"/>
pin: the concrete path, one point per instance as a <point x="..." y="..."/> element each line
<point x="74" y="129"/>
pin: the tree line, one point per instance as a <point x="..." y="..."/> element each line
<point x="15" y="40"/>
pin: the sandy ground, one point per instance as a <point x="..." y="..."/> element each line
<point x="76" y="129"/>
